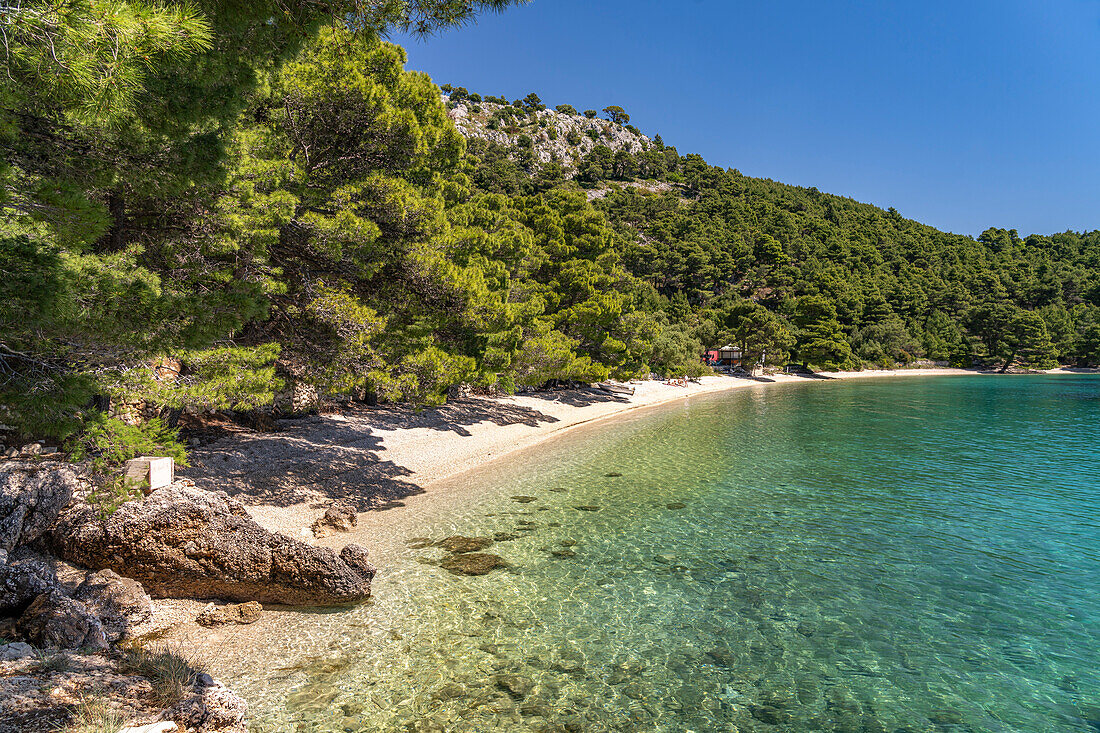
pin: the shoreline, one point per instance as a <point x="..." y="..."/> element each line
<point x="377" y="458"/>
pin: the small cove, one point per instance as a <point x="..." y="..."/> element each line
<point x="922" y="554"/>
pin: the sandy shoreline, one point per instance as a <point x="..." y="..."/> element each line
<point x="377" y="458"/>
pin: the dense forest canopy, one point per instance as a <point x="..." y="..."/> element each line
<point x="214" y="205"/>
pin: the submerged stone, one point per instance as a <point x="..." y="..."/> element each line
<point x="559" y="490"/>
<point x="563" y="553"/>
<point x="770" y="714"/>
<point x="524" y="499"/>
<point x="461" y="544"/>
<point x="675" y="505"/>
<point x="807" y="628"/>
<point x="505" y="536"/>
<point x="515" y="685"/>
<point x="587" y="508"/>
<point x="613" y="474"/>
<point x="568" y="543"/>
<point x="419" y="543"/>
<point x="472" y="563"/>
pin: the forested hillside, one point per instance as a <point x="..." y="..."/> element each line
<point x="205" y="208"/>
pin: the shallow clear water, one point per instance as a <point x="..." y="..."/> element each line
<point x="910" y="555"/>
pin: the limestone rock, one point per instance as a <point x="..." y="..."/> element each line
<point x="55" y="621"/>
<point x="233" y="613"/>
<point x="118" y="602"/>
<point x="166" y="726"/>
<point x="182" y="542"/>
<point x="31" y="497"/>
<point x="340" y="516"/>
<point x="211" y="709"/>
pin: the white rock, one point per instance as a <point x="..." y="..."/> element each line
<point x="166" y="726"/>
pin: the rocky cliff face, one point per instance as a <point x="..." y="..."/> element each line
<point x="554" y="136"/>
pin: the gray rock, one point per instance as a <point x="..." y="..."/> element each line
<point x="55" y="621"/>
<point x="119" y="603"/>
<point x="22" y="580"/>
<point x="17" y="650"/>
<point x="31" y="497"/>
<point x="182" y="542"/>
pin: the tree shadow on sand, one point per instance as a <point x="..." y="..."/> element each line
<point x="321" y="459"/>
<point x="579" y="397"/>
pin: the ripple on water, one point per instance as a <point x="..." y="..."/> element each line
<point x="919" y="555"/>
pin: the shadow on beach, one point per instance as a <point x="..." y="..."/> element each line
<point x="338" y="457"/>
<point x="578" y="397"/>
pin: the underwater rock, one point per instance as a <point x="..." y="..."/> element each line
<point x="473" y="563"/>
<point x="515" y="685"/>
<point x="675" y="505"/>
<point x="770" y="714"/>
<point x="505" y="536"/>
<point x="559" y="490"/>
<point x="419" y="543"/>
<point x="612" y="474"/>
<point x="807" y="628"/>
<point x="450" y="691"/>
<point x="568" y="543"/>
<point x="524" y="499"/>
<point x="563" y="553"/>
<point x="587" y="508"/>
<point x="459" y="544"/>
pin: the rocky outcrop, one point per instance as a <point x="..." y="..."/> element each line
<point x="31" y="497"/>
<point x="22" y="579"/>
<point x="182" y="542"/>
<point x="554" y="135"/>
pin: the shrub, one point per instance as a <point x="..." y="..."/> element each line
<point x="110" y="442"/>
<point x="566" y="109"/>
<point x="573" y="137"/>
<point x="590" y="114"/>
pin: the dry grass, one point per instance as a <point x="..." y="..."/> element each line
<point x="94" y="715"/>
<point x="49" y="663"/>
<point x="171" y="672"/>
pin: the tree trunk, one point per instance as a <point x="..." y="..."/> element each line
<point x="113" y="240"/>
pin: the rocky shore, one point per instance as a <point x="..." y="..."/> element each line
<point x="78" y="624"/>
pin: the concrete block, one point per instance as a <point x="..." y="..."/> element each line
<point x="152" y="471"/>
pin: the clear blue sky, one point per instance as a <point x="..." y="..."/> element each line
<point x="963" y="115"/>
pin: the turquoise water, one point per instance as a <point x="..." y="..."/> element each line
<point x="901" y="556"/>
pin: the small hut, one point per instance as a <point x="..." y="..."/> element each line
<point x="725" y="358"/>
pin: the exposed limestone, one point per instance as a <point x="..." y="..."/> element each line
<point x="550" y="132"/>
<point x="182" y="542"/>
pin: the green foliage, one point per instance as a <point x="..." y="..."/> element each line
<point x="566" y="109"/>
<point x="616" y="114"/>
<point x="109" y="442"/>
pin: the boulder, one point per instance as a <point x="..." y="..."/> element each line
<point x="55" y="621"/>
<point x="31" y="497"/>
<point x="183" y="542"/>
<point x="119" y="603"/>
<point x="16" y="650"/>
<point x="232" y="613"/>
<point x="340" y="516"/>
